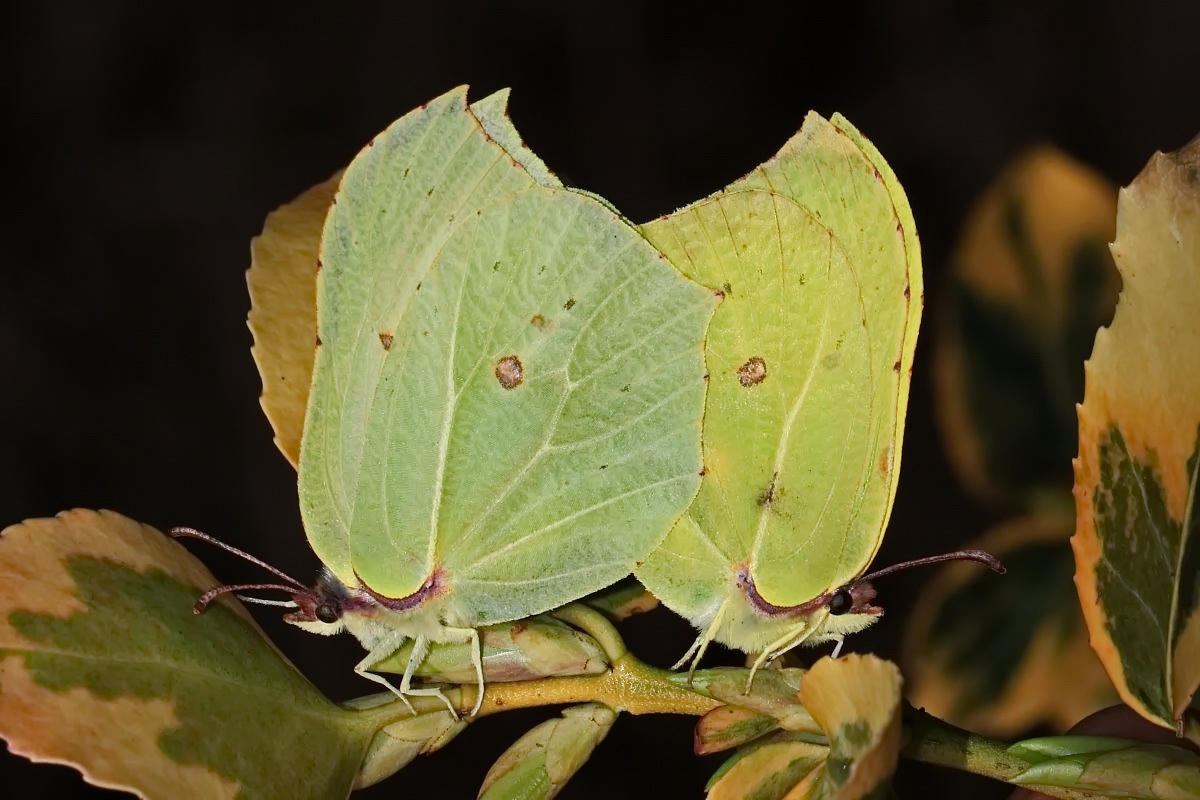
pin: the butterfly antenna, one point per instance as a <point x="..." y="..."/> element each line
<point x="978" y="556"/>
<point x="192" y="533"/>
<point x="217" y="591"/>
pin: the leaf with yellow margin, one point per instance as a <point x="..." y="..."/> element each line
<point x="1001" y="656"/>
<point x="283" y="310"/>
<point x="856" y="701"/>
<point x="104" y="667"/>
<point x="1031" y="282"/>
<point x="1137" y="558"/>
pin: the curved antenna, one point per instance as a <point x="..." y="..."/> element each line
<point x="215" y="592"/>
<point x="192" y="533"/>
<point x="978" y="556"/>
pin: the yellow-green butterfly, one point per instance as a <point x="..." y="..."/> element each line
<point x="507" y="394"/>
<point x="809" y="360"/>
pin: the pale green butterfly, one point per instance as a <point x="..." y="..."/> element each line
<point x="507" y="394"/>
<point x="809" y="360"/>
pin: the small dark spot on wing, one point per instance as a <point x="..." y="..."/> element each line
<point x="567" y="306"/>
<point x="385" y="339"/>
<point x="510" y="372"/>
<point x="767" y="496"/>
<point x="753" y="372"/>
<point x="539" y="322"/>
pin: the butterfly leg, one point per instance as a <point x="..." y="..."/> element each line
<point x="471" y="636"/>
<point x="777" y="648"/>
<point x="837" y="648"/>
<point x="696" y="651"/>
<point x="381" y="651"/>
<point x="420" y="648"/>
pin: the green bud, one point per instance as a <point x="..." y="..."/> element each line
<point x="622" y="601"/>
<point x="1111" y="767"/>
<point x="541" y="762"/>
<point x="395" y="745"/>
<point x="774" y="694"/>
<point x="514" y="651"/>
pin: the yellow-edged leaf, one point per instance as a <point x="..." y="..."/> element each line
<point x="103" y="666"/>
<point x="1031" y="282"/>
<point x="998" y="656"/>
<point x="856" y="702"/>
<point x="283" y="310"/>
<point x="769" y="770"/>
<point x="1137" y="560"/>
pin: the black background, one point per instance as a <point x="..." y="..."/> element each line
<point x="147" y="141"/>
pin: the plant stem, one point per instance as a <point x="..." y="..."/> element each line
<point x="630" y="686"/>
<point x="935" y="741"/>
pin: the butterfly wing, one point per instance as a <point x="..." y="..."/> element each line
<point x="509" y="381"/>
<point x="809" y="358"/>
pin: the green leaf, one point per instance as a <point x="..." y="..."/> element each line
<point x="809" y="360"/>
<point x="998" y="656"/>
<point x="1110" y="767"/>
<point x="1031" y="282"/>
<point x="539" y="764"/>
<point x="104" y="666"/>
<point x="1137" y="558"/>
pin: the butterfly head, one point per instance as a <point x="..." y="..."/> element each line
<point x="323" y="608"/>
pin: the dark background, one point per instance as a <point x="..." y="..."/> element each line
<point x="147" y="141"/>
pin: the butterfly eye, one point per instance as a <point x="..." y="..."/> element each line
<point x="841" y="602"/>
<point x="327" y="612"/>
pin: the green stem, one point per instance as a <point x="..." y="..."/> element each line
<point x="934" y="741"/>
<point x="630" y="685"/>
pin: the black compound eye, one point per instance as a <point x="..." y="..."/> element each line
<point x="841" y="602"/>
<point x="327" y="612"/>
